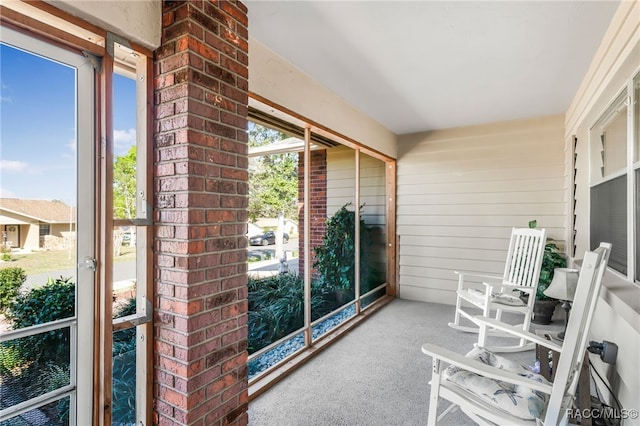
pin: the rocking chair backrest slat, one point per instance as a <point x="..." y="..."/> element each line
<point x="524" y="259"/>
<point x="575" y="341"/>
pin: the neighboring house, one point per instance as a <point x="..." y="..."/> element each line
<point x="25" y="224"/>
<point x="290" y="226"/>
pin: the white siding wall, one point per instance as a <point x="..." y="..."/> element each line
<point x="618" y="311"/>
<point x="460" y="191"/>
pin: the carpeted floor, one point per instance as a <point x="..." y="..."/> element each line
<point x="375" y="375"/>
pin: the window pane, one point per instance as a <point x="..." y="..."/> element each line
<point x="373" y="253"/>
<point x="276" y="286"/>
<point x="34" y="365"/>
<point x="53" y="414"/>
<point x="124" y="377"/>
<point x="609" y="141"/>
<point x="609" y="219"/>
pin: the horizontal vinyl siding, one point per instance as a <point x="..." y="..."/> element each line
<point x="460" y="191"/>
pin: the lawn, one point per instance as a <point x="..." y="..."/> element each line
<point x="44" y="261"/>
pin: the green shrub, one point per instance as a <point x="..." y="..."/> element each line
<point x="5" y="253"/>
<point x="335" y="258"/>
<point x="53" y="301"/>
<point x="276" y="308"/>
<point x="11" y="279"/>
<point x="11" y="360"/>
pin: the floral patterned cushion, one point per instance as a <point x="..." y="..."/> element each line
<point x="518" y="401"/>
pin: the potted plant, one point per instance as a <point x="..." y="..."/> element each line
<point x="552" y="259"/>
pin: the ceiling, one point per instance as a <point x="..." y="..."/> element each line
<point x="423" y="65"/>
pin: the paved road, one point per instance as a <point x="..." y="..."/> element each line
<point x="126" y="271"/>
<point x="122" y="271"/>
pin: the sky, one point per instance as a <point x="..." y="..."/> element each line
<point x="37" y="125"/>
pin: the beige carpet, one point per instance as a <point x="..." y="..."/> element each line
<point x="376" y="375"/>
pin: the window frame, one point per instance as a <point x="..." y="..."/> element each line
<point x="626" y="97"/>
<point x="45" y="23"/>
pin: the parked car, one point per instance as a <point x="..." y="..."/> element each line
<point x="267" y="238"/>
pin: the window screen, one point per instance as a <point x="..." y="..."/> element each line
<point x="609" y="219"/>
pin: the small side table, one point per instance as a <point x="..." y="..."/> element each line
<point x="545" y="355"/>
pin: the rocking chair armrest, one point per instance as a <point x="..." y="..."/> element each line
<point x="474" y="274"/>
<point x="461" y="361"/>
<point x="517" y="331"/>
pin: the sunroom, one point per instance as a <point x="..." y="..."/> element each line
<point x="434" y="151"/>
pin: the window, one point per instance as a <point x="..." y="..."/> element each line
<point x="338" y="255"/>
<point x="615" y="179"/>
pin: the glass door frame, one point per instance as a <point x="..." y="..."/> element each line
<point x="81" y="325"/>
<point x="57" y="29"/>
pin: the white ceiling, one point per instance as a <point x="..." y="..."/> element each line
<point x="423" y="65"/>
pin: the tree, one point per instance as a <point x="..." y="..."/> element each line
<point x="273" y="179"/>
<point x="124" y="185"/>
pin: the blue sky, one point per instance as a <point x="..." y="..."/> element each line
<point x="37" y="125"/>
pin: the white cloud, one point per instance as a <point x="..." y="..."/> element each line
<point x="123" y="140"/>
<point x="72" y="145"/>
<point x="7" y="99"/>
<point x="10" y="166"/>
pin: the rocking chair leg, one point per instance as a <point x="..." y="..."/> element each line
<point x="435" y="393"/>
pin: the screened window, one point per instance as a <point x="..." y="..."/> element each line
<point x="615" y="180"/>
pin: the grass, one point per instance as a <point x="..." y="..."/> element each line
<point x="40" y="262"/>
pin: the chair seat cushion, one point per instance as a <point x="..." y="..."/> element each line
<point x="519" y="401"/>
<point x="502" y="298"/>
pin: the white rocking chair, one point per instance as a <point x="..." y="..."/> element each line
<point x="521" y="273"/>
<point x="489" y="393"/>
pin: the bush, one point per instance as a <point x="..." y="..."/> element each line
<point x="276" y="308"/>
<point x="53" y="301"/>
<point x="11" y="279"/>
<point x="335" y="258"/>
<point x="6" y="253"/>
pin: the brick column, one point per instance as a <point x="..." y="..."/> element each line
<point x="318" y="203"/>
<point x="200" y="162"/>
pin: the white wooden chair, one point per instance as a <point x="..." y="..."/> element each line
<point x="521" y="273"/>
<point x="542" y="403"/>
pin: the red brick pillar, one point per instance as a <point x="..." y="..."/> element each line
<point x="200" y="162"/>
<point x="318" y="203"/>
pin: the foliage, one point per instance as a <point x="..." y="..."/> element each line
<point x="11" y="279"/>
<point x="335" y="258"/>
<point x="53" y="301"/>
<point x="551" y="259"/>
<point x="124" y="185"/>
<point x="52" y="378"/>
<point x="276" y="308"/>
<point x="124" y="368"/>
<point x="273" y="179"/>
<point x="11" y="360"/>
<point x="6" y="253"/>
